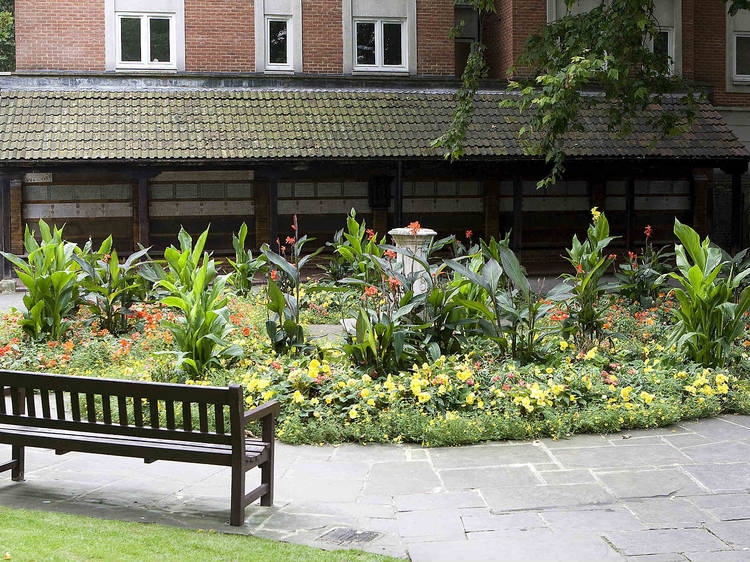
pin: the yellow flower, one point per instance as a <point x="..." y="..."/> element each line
<point x="297" y="398"/>
<point x="595" y="213"/>
<point x="353" y="414"/>
<point x="646" y="397"/>
<point x="365" y="392"/>
<point x="463" y="374"/>
<point x="563" y="345"/>
<point x="371" y="402"/>
<point x="267" y="395"/>
<point x="625" y="393"/>
<point x="591" y="354"/>
<point x="423" y="397"/>
<point x="470" y="398"/>
<point x="389" y="384"/>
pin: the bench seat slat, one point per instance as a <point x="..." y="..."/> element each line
<point x="90" y="408"/>
<point x="60" y="404"/>
<point x="252" y="447"/>
<point x="169" y="407"/>
<point x="106" y="409"/>
<point x="156" y="449"/>
<point x="44" y="398"/>
<point x="30" y="403"/>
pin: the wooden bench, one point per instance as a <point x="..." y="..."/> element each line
<point x="152" y="421"/>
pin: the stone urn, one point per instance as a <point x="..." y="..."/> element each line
<point x="418" y="242"/>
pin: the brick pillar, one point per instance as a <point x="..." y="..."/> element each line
<point x="16" y="215"/>
<point x="491" y="208"/>
<point x="262" y="214"/>
<point x="380" y="221"/>
<point x="703" y="182"/>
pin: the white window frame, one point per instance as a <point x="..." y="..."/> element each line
<point x="145" y="62"/>
<point x="670" y="46"/>
<point x="379" y="66"/>
<point x="735" y="76"/>
<point x="289" y="20"/>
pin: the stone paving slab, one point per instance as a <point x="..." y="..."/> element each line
<point x="678" y="493"/>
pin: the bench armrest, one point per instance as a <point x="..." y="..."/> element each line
<point x="271" y="408"/>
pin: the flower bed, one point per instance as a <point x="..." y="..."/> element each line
<point x="627" y="381"/>
<point x="460" y="350"/>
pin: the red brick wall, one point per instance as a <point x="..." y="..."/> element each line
<point x="219" y="36"/>
<point x="322" y="36"/>
<point x="709" y="48"/>
<point x="435" y="48"/>
<point x="55" y="35"/>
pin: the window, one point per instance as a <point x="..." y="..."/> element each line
<point x="467" y="32"/>
<point x="146" y="41"/>
<point x="380" y="45"/>
<point x="663" y="43"/>
<point x="279" y="43"/>
<point x="742" y="57"/>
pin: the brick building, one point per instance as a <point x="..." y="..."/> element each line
<point x="132" y="117"/>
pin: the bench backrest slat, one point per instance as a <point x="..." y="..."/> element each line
<point x="85" y="404"/>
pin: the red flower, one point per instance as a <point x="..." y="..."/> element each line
<point x="632" y="256"/>
<point x="394" y="283"/>
<point x="245" y="331"/>
<point x="290" y="240"/>
<point x="369" y="292"/>
<point x="648" y="232"/>
<point x="106" y="258"/>
<point x="579" y="268"/>
<point x="415" y="227"/>
<point x="274" y="274"/>
<point x="469" y="234"/>
<point x="370" y="233"/>
<point x="390" y="254"/>
<point x="613" y="256"/>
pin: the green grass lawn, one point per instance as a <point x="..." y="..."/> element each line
<point x="38" y="535"/>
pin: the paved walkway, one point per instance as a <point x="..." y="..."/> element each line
<point x="678" y="493"/>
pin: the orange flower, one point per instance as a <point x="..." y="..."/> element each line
<point x="415" y="227"/>
<point x="369" y="292"/>
<point x="390" y="254"/>
<point x="370" y="233"/>
<point x="274" y="274"/>
<point x="649" y="231"/>
<point x="245" y="331"/>
<point x="469" y="233"/>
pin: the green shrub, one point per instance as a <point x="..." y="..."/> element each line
<point x="197" y="291"/>
<point x="112" y="288"/>
<point x="244" y="264"/>
<point x="49" y="275"/>
<point x="709" y="320"/>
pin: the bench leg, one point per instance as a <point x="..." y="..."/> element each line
<point x="237" y="514"/>
<point x="266" y="477"/>
<point x="18" y="455"/>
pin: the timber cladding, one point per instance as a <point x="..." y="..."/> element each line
<point x="85" y="209"/>
<point x="195" y="200"/>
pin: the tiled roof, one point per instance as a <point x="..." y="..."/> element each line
<point x="41" y="125"/>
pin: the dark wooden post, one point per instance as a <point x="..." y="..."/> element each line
<point x="267" y="468"/>
<point x="141" y="212"/>
<point x="398" y="196"/>
<point x="629" y="212"/>
<point x="517" y="212"/>
<point x="737" y="212"/>
<point x="16" y="214"/>
<point x="491" y="208"/>
<point x="273" y="211"/>
<point x="262" y="210"/>
<point x="237" y="424"/>
<point x="5" y="270"/>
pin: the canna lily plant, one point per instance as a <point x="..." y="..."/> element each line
<point x="709" y="320"/>
<point x="195" y="288"/>
<point x="49" y="273"/>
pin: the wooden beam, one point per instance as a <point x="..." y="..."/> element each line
<point x="737" y="212"/>
<point x="629" y="212"/>
<point x="262" y="210"/>
<point x="5" y="234"/>
<point x="273" y="210"/>
<point x="398" y="196"/>
<point x="517" y="212"/>
<point x="144" y="220"/>
<point x="491" y="208"/>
